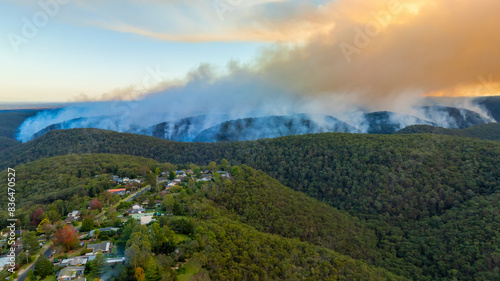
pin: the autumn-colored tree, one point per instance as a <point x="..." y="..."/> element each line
<point x="37" y="216"/>
<point x="43" y="226"/>
<point x="67" y="237"/>
<point x="139" y="274"/>
<point x="95" y="204"/>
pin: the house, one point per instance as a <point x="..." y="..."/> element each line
<point x="71" y="273"/>
<point x="146" y="202"/>
<point x="77" y="261"/>
<point x="69" y="220"/>
<point x="103" y="247"/>
<point x="126" y="180"/>
<point x="170" y="184"/>
<point x="205" y="178"/>
<point x="105" y="229"/>
<point x="223" y="174"/>
<point x="136" y="209"/>
<point x="75" y="214"/>
<point x="117" y="179"/>
<point x="4" y="263"/>
<point x="180" y="174"/>
<point x="112" y="261"/>
<point x="119" y="191"/>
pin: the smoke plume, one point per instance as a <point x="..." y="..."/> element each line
<point x="365" y="56"/>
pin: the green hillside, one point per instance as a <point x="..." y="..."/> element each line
<point x="432" y="200"/>
<point x="248" y="228"/>
<point x="489" y="131"/>
<point x="7" y="143"/>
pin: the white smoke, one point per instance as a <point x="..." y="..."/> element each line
<point x="239" y="94"/>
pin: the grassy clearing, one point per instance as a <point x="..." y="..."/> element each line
<point x="181" y="237"/>
<point x="190" y="269"/>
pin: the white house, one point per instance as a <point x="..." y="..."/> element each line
<point x="136" y="209"/>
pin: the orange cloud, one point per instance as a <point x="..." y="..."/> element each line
<point x="381" y="51"/>
<point x="373" y="51"/>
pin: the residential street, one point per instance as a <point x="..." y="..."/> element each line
<point x="22" y="275"/>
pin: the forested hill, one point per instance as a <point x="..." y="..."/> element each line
<point x="7" y="143"/>
<point x="79" y="141"/>
<point x="10" y="120"/>
<point x="431" y="199"/>
<point x="249" y="227"/>
<point x="489" y="131"/>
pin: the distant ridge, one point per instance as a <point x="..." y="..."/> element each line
<point x="273" y="127"/>
<point x="214" y="128"/>
<point x="489" y="131"/>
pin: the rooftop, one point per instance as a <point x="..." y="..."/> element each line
<point x="71" y="271"/>
<point x="117" y="190"/>
<point x="103" y="246"/>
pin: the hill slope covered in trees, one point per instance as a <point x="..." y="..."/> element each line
<point x="247" y="228"/>
<point x="489" y="131"/>
<point x="432" y="200"/>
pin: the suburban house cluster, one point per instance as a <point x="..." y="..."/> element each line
<point x="74" y="267"/>
<point x="139" y="207"/>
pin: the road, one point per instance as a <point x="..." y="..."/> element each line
<point x="32" y="266"/>
<point x="138" y="193"/>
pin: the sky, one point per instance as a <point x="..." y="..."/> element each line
<point x="370" y="52"/>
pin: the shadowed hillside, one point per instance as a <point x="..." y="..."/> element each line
<point x="10" y="120"/>
<point x="484" y="132"/>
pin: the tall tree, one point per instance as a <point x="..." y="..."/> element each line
<point x="87" y="224"/>
<point x="168" y="203"/>
<point x="162" y="239"/>
<point x="30" y="242"/>
<point x="152" y="180"/>
<point x="172" y="175"/>
<point x="152" y="270"/>
<point x="99" y="266"/>
<point x="224" y="165"/>
<point x="211" y="166"/>
<point x="43" y="267"/>
<point x="132" y="255"/>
